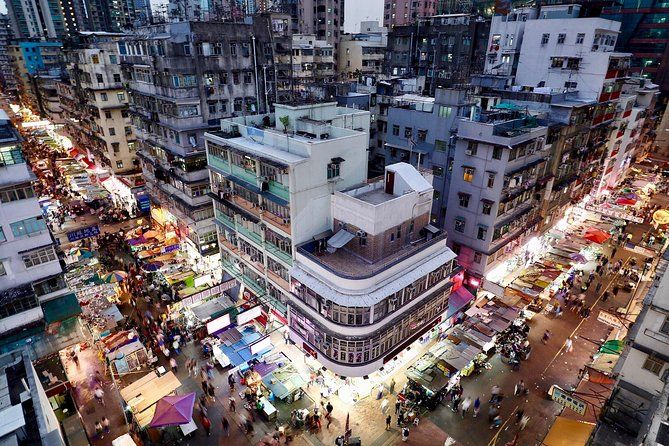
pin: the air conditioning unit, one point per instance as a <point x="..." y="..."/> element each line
<point x="361" y="234"/>
<point x="469" y="152"/>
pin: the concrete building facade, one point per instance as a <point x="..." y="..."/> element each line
<point x="32" y="285"/>
<point x="363" y="53"/>
<point x="271" y="187"/>
<point x="182" y="86"/>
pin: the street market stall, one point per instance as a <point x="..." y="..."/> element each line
<point x="142" y="395"/>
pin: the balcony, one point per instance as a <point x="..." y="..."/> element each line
<point x="280" y="223"/>
<point x="256" y="238"/>
<point x="278" y="280"/>
<point x="225" y="219"/>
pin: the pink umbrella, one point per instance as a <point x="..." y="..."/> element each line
<point x="174" y="410"/>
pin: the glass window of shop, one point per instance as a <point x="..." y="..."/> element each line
<point x="357" y="351"/>
<point x="361" y="315"/>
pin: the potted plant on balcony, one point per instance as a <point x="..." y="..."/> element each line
<point x="285" y="120"/>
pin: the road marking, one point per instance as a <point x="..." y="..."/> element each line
<point x="501" y="428"/>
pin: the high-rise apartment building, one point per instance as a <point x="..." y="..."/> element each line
<point x="182" y="86"/>
<point x="271" y="178"/>
<point x="95" y="102"/>
<point x="38" y="67"/>
<point x="323" y="18"/>
<point x="7" y="75"/>
<point x="312" y="60"/>
<point x="643" y="33"/>
<point x="41" y="19"/>
<point x="446" y="49"/>
<point x="406" y="12"/>
<point x="381" y="279"/>
<point x="363" y="53"/>
<point x="32" y="287"/>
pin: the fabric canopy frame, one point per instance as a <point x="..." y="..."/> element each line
<point x="173" y="410"/>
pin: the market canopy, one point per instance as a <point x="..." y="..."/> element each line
<point x="143" y="394"/>
<point x="625" y="201"/>
<point x="597" y="235"/>
<point x="568" y="432"/>
<point x="174" y="410"/>
<point x="661" y="217"/>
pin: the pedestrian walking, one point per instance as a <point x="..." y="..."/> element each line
<point x="523" y="422"/>
<point x="477" y="407"/>
<point x="456" y="403"/>
<point x="226" y="426"/>
<point x="99" y="395"/>
<point x="568" y="345"/>
<point x="598" y="287"/>
<point x="173" y="365"/>
<point x="466" y="404"/>
<point x="233" y="403"/>
<point x="388" y="420"/>
<point x="105" y="424"/>
<point x="391" y="386"/>
<point x="398" y="404"/>
<point x="405" y="434"/>
<point x="496" y="422"/>
<point x="206" y="424"/>
<point x="519" y="388"/>
<point x="546" y="337"/>
<point x="519" y="414"/>
<point x="400" y="418"/>
<point x="493" y="411"/>
<point x="99" y="430"/>
<point x="286" y="336"/>
<point x="211" y="391"/>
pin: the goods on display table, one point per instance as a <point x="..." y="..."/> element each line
<point x="125" y="352"/>
<point x="97" y="301"/>
<point x="285" y="382"/>
<point x="438" y="369"/>
<point x="240" y="349"/>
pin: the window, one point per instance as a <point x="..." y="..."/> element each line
<point x="95" y="59"/>
<point x="99" y="78"/>
<point x="112" y="131"/>
<point x="459" y="224"/>
<point x="245" y="50"/>
<point x="247" y="77"/>
<point x="20" y="192"/>
<point x="120" y="96"/>
<point x="569" y="84"/>
<point x="223" y="78"/>
<point x="487" y="208"/>
<point x="237" y="104"/>
<point x="665" y="326"/>
<point x="408" y="132"/>
<point x="119" y="164"/>
<point x="116" y="147"/>
<point x="117" y="77"/>
<point x="396" y="130"/>
<point x="468" y="174"/>
<point x="187" y="51"/>
<point x="561" y="38"/>
<point x="422" y="135"/>
<point x="103" y="97"/>
<point x="471" y="148"/>
<point x="233" y="49"/>
<point x="437" y="171"/>
<point x="557" y="62"/>
<point x="482" y="232"/>
<point x="113" y="59"/>
<point x="39" y="256"/>
<point x="440" y="145"/>
<point x="477" y="257"/>
<point x="653" y="365"/>
<point x="212" y="109"/>
<point x="28" y="226"/>
<point x="2" y="269"/>
<point x="235" y="78"/>
<point x="2" y="235"/>
<point x="463" y="199"/>
<point x="544" y="38"/>
<point x="333" y="170"/>
<point x="573" y="63"/>
<point x="580" y="37"/>
<point x="108" y="114"/>
<point x="444" y="111"/>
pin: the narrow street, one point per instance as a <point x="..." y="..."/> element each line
<point x="144" y="306"/>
